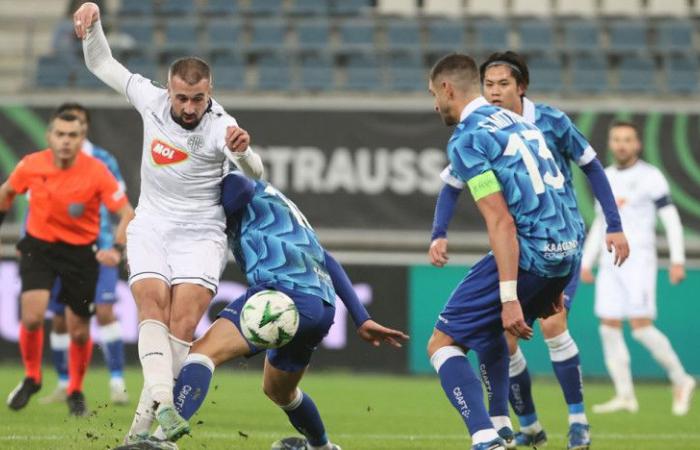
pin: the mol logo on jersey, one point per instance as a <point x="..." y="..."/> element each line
<point x="163" y="154"/>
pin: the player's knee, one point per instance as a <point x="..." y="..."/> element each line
<point x="80" y="335"/>
<point x="182" y="326"/>
<point x="32" y="321"/>
<point x="437" y="341"/>
<point x="278" y="396"/>
<point x="104" y="316"/>
<point x="553" y="326"/>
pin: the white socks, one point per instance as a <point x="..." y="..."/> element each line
<point x="60" y="342"/>
<point x="518" y="363"/>
<point x="561" y="347"/>
<point x="660" y="348"/>
<point x="156" y="361"/>
<point x="179" y="349"/>
<point x="617" y="360"/>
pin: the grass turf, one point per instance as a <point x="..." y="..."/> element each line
<point x="361" y="412"/>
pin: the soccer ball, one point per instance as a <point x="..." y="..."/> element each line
<point x="269" y="319"/>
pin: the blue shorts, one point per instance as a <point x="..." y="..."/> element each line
<point x="572" y="286"/>
<point x="315" y="319"/>
<point x="105" y="293"/>
<point x="472" y="315"/>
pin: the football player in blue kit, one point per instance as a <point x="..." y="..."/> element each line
<point x="277" y="249"/>
<point x="505" y="78"/>
<point x="535" y="240"/>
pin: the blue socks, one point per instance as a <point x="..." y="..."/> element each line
<point x="463" y="388"/>
<point x="304" y="416"/>
<point x="493" y="365"/>
<point x="113" y="349"/>
<point x="520" y="392"/>
<point x="567" y="366"/>
<point x="193" y="384"/>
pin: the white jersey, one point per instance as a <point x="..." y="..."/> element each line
<point x="181" y="170"/>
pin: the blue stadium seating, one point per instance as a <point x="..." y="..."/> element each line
<point x="350" y="7"/>
<point x="445" y="36"/>
<point x="674" y="35"/>
<point x="309" y="8"/>
<point x="313" y="34"/>
<point x="52" y="71"/>
<point x="83" y="78"/>
<point x="136" y="8"/>
<point x="581" y="35"/>
<point x="181" y="8"/>
<point x="636" y="74"/>
<point x="403" y="34"/>
<point x="266" y="7"/>
<point x="490" y="36"/>
<point x="357" y="35"/>
<point x="267" y="35"/>
<point x="140" y="29"/>
<point x="546" y="74"/>
<point x="143" y="65"/>
<point x="536" y="36"/>
<point x="681" y="73"/>
<point x="406" y="72"/>
<point x="363" y="73"/>
<point x="274" y="73"/>
<point x="224" y="35"/>
<point x="219" y="8"/>
<point x="317" y="72"/>
<point x="628" y="36"/>
<point x="181" y="38"/>
<point x="589" y="73"/>
<point x="229" y="72"/>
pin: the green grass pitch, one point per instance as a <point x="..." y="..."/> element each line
<point x="362" y="412"/>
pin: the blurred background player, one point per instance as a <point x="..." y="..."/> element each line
<point x="176" y="243"/>
<point x="505" y="78"/>
<point x="629" y="293"/>
<point x="105" y="295"/>
<point x="67" y="188"/>
<point x="265" y="228"/>
<point x="535" y="241"/>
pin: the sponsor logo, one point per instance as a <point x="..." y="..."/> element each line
<point x="164" y="154"/>
<point x="486" y="381"/>
<point x="459" y="398"/>
<point x="560" y="249"/>
<point x="182" y="395"/>
<point x="195" y="142"/>
<point x="443" y="320"/>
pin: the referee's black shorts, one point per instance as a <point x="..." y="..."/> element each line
<point x="41" y="262"/>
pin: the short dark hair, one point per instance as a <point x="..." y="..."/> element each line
<point x="456" y="64"/>
<point x="625" y="123"/>
<point x="516" y="63"/>
<point x="68" y="106"/>
<point x="191" y="69"/>
<point x="64" y="116"/>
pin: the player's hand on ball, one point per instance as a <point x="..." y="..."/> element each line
<point x="375" y="334"/>
<point x="109" y="257"/>
<point x="84" y="17"/>
<point x="514" y="321"/>
<point x="617" y="242"/>
<point x="438" y="252"/>
<point x="237" y="139"/>
<point x="587" y="275"/>
<point x="676" y="273"/>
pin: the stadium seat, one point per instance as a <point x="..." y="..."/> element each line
<point x="274" y="72"/>
<point x="408" y="8"/>
<point x="219" y="8"/>
<point x="636" y="74"/>
<point x="181" y="38"/>
<point x="317" y="72"/>
<point x="267" y="35"/>
<point x="531" y="8"/>
<point x="628" y="36"/>
<point x="445" y="36"/>
<point x="406" y="72"/>
<point x="350" y="7"/>
<point x="52" y="71"/>
<point x="589" y="73"/>
<point x="363" y="73"/>
<point x="668" y="8"/>
<point x="674" y="35"/>
<point x="403" y="34"/>
<point x="448" y="8"/>
<point x="224" y="35"/>
<point x="141" y="30"/>
<point x="546" y="74"/>
<point x="144" y="66"/>
<point x="266" y="7"/>
<point x="357" y="35"/>
<point x="229" y="73"/>
<point x="136" y="8"/>
<point x="575" y="8"/>
<point x="83" y="78"/>
<point x="681" y="73"/>
<point x="582" y="35"/>
<point x="490" y="36"/>
<point x="182" y="8"/>
<point x="536" y="36"/>
<point x="621" y="8"/>
<point x="309" y="8"/>
<point x="487" y="8"/>
<point x="313" y="34"/>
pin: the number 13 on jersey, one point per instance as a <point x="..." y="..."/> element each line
<point x="516" y="144"/>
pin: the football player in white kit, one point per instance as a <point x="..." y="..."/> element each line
<point x="629" y="292"/>
<point x="176" y="245"/>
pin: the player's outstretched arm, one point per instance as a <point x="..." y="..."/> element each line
<point x="375" y="334"/>
<point x="615" y="238"/>
<point x="444" y="210"/>
<point x="98" y="56"/>
<point x="674" y="235"/>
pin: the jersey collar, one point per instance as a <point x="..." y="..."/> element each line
<point x="529" y="110"/>
<point x="472" y="106"/>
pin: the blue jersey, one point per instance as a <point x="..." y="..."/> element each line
<point x="566" y="143"/>
<point x="493" y="149"/>
<point x="106" y="237"/>
<point x="275" y="246"/>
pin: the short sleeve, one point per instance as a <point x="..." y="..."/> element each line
<point x="470" y="165"/>
<point x="19" y="178"/>
<point x="571" y="141"/>
<point x="142" y="92"/>
<point x="659" y="190"/>
<point x="111" y="193"/>
<point x="448" y="176"/>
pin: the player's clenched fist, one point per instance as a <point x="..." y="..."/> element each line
<point x="438" y="252"/>
<point x="237" y="139"/>
<point x="84" y="17"/>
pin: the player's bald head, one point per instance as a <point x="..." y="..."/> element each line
<point x="190" y="69"/>
<point x="459" y="69"/>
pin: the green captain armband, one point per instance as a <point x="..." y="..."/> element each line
<point x="483" y="185"/>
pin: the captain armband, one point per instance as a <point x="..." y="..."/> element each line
<point x="483" y="185"/>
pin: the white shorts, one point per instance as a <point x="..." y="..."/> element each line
<point x="175" y="252"/>
<point x="627" y="292"/>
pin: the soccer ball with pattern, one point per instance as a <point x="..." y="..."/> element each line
<point x="269" y="319"/>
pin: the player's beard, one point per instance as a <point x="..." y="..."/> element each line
<point x="186" y="125"/>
